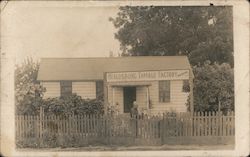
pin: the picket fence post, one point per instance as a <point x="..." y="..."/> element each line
<point x="41" y="125"/>
<point x="146" y="128"/>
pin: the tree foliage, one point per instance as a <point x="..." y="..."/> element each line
<point x="27" y="90"/>
<point x="213" y="83"/>
<point x="63" y="106"/>
<point x="73" y="104"/>
<point x="201" y="33"/>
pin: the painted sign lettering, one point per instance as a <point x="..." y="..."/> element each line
<point x="148" y="76"/>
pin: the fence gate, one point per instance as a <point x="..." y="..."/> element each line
<point x="148" y="130"/>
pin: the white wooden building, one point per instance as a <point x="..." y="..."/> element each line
<point x="154" y="82"/>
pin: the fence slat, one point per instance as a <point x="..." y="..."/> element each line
<point x="146" y="129"/>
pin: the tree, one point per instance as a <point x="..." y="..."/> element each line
<point x="28" y="92"/>
<point x="201" y="33"/>
<point x="213" y="84"/>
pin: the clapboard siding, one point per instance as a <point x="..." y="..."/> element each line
<point x="118" y="97"/>
<point x="177" y="103"/>
<point x="52" y="89"/>
<point x="178" y="98"/>
<point x="110" y="96"/>
<point x="84" y="89"/>
<point x="141" y="97"/>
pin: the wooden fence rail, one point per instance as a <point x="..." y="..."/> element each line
<point x="149" y="130"/>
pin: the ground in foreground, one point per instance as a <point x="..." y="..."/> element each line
<point x="138" y="148"/>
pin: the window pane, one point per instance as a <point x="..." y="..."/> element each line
<point x="164" y="91"/>
<point x="99" y="89"/>
<point x="66" y="88"/>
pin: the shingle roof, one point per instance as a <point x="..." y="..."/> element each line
<point x="52" y="69"/>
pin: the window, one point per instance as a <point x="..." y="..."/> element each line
<point x="164" y="91"/>
<point x="66" y="88"/>
<point x="99" y="89"/>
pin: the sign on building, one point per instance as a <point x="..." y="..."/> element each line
<point x="148" y="75"/>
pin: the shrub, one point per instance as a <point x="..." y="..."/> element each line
<point x="29" y="106"/>
<point x="213" y="84"/>
<point x="73" y="104"/>
<point x="28" y="92"/>
<point x="64" y="106"/>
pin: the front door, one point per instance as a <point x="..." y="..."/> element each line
<point x="129" y="96"/>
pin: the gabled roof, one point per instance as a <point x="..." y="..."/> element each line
<point x="52" y="69"/>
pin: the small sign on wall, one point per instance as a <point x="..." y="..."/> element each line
<point x="148" y="75"/>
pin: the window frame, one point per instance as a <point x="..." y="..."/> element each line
<point x="63" y="85"/>
<point x="164" y="92"/>
<point x="99" y="85"/>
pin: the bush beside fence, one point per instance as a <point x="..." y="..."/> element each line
<point x="84" y="130"/>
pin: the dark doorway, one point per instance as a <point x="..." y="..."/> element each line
<point x="129" y="96"/>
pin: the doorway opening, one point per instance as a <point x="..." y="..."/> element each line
<point x="129" y="96"/>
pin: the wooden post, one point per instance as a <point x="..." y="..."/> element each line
<point x="21" y="126"/>
<point x="162" y="128"/>
<point x="233" y="123"/>
<point x="190" y="116"/>
<point x="191" y="97"/>
<point x="17" y="127"/>
<point x="105" y="92"/>
<point x="205" y="122"/>
<point x="220" y="123"/>
<point x="41" y="118"/>
<point x="219" y="106"/>
<point x="227" y="123"/>
<point x="113" y="96"/>
<point x="195" y="123"/>
<point x="217" y="123"/>
<point x="147" y="97"/>
<point x="213" y="123"/>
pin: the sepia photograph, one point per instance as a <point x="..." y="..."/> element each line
<point x="126" y="78"/>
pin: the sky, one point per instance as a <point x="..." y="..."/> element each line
<point x="58" y="31"/>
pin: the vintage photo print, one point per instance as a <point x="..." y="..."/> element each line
<point x="124" y="78"/>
